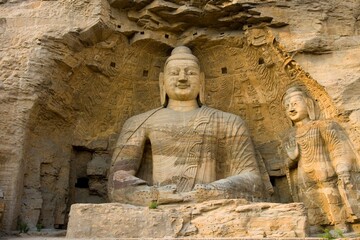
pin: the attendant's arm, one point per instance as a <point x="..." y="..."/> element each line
<point x="340" y="152"/>
<point x="292" y="150"/>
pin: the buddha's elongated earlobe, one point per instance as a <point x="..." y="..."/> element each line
<point x="162" y="90"/>
<point x="202" y="89"/>
<point x="310" y="108"/>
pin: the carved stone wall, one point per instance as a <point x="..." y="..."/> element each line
<point x="71" y="73"/>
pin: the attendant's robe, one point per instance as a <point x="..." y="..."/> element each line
<point x="325" y="155"/>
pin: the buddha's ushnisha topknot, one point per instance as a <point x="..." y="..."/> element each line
<point x="182" y="53"/>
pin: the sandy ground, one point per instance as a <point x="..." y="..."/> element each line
<point x="52" y="234"/>
<point x="43" y="235"/>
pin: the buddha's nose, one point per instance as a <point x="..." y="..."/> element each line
<point x="182" y="77"/>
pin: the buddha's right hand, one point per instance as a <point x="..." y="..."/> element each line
<point x="143" y="195"/>
<point x="138" y="195"/>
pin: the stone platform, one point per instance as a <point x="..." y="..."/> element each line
<point x="212" y="219"/>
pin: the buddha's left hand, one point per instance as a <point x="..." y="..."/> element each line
<point x="168" y="194"/>
<point x="209" y="191"/>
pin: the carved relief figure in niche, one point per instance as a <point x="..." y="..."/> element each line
<point x="186" y="162"/>
<point x="326" y="164"/>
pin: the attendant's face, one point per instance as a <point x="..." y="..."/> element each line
<point x="182" y="79"/>
<point x="296" y="108"/>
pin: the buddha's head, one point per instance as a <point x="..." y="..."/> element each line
<point x="298" y="105"/>
<point x="182" y="79"/>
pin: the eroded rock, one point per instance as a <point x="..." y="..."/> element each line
<point x="211" y="219"/>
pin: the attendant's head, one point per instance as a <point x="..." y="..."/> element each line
<point x="298" y="105"/>
<point x="182" y="79"/>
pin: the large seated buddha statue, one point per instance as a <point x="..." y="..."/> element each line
<point x="184" y="151"/>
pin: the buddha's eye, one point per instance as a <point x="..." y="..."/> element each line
<point x="191" y="72"/>
<point x="173" y="73"/>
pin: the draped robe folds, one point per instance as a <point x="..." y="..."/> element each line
<point x="325" y="155"/>
<point x="187" y="148"/>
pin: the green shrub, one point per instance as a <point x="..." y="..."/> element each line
<point x="23" y="227"/>
<point x="328" y="234"/>
<point x="39" y="226"/>
<point x="153" y="205"/>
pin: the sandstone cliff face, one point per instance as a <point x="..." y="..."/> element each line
<point x="73" y="71"/>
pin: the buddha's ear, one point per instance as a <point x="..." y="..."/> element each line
<point x="202" y="89"/>
<point x="162" y="90"/>
<point x="310" y="108"/>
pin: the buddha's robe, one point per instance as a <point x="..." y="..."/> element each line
<point x="198" y="147"/>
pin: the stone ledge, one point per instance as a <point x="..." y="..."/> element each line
<point x="189" y="238"/>
<point x="220" y="219"/>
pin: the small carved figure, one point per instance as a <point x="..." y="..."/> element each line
<point x="325" y="161"/>
<point x="196" y="152"/>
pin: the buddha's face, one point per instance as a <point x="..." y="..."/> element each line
<point x="182" y="79"/>
<point x="296" y="108"/>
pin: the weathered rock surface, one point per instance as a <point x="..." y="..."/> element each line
<point x="218" y="218"/>
<point x="72" y="71"/>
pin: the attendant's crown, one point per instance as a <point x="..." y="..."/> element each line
<point x="292" y="91"/>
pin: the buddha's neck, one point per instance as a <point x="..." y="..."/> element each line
<point x="302" y="122"/>
<point x="182" y="106"/>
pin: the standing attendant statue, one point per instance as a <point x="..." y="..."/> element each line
<point x="184" y="150"/>
<point x="325" y="162"/>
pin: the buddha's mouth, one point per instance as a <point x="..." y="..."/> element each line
<point x="293" y="114"/>
<point x="182" y="86"/>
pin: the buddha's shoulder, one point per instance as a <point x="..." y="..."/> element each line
<point x="328" y="124"/>
<point x="142" y="116"/>
<point x="324" y="123"/>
